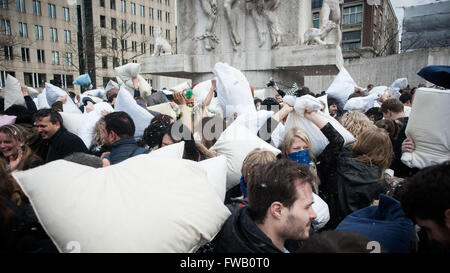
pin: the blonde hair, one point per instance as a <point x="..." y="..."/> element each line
<point x="374" y="147"/>
<point x="257" y="156"/>
<point x="289" y="137"/>
<point x="99" y="132"/>
<point x="356" y="122"/>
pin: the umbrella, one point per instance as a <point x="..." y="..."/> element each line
<point x="437" y="74"/>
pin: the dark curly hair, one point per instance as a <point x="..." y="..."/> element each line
<point x="427" y="194"/>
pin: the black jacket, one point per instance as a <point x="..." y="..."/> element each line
<point x="64" y="143"/>
<point x="124" y="149"/>
<point x="240" y="234"/>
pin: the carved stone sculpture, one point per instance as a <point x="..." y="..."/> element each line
<point x="162" y="47"/>
<point x="331" y="11"/>
<point x="229" y="16"/>
<point x="316" y="35"/>
<point x="260" y="9"/>
<point x="210" y="8"/>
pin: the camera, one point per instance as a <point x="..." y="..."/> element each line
<point x="270" y="83"/>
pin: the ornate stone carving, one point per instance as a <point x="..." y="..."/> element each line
<point x="331" y="11"/>
<point x="162" y="47"/>
<point x="210" y="38"/>
<point x="260" y="9"/>
<point x="316" y="35"/>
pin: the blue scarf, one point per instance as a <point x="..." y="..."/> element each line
<point x="243" y="186"/>
<point x="301" y="157"/>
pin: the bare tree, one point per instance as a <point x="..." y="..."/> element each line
<point x="10" y="48"/>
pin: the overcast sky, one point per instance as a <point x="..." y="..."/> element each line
<point x="400" y="4"/>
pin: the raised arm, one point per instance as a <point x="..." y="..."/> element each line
<point x="180" y="99"/>
<point x="210" y="95"/>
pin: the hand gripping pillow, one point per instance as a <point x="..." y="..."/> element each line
<point x="233" y="90"/>
<point x="53" y="92"/>
<point x="71" y="121"/>
<point x="342" y="86"/>
<point x="253" y="120"/>
<point x="318" y="140"/>
<point x="164" y="108"/>
<point x="13" y="92"/>
<point x="216" y="168"/>
<point x="324" y="100"/>
<point x="236" y="142"/>
<point x="87" y="124"/>
<point x="428" y="126"/>
<point x="122" y="209"/>
<point x="141" y="117"/>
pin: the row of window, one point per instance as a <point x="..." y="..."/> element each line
<point x="20" y="5"/>
<point x="124" y="45"/>
<point x="115" y="62"/>
<point x="351" y="15"/>
<point x="132" y="27"/>
<point x="123" y="7"/>
<point x="38" y="31"/>
<point x="40" y="55"/>
<point x="37" y="80"/>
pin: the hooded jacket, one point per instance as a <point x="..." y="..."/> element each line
<point x="240" y="234"/>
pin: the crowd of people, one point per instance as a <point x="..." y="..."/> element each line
<point x="272" y="206"/>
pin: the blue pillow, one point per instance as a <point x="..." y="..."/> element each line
<point x="83" y="80"/>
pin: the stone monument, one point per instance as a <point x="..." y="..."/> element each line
<point x="262" y="38"/>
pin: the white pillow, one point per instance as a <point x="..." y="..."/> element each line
<point x="13" y="92"/>
<point x="111" y="85"/>
<point x="180" y="87"/>
<point x="42" y="101"/>
<point x="277" y="136"/>
<point x="97" y="93"/>
<point x="175" y="150"/>
<point x="322" y="211"/>
<point x="361" y="103"/>
<point x="318" y="140"/>
<point x="428" y="126"/>
<point x="53" y="92"/>
<point x="71" y="121"/>
<point x="378" y="90"/>
<point x="201" y="91"/>
<point x="236" y="142"/>
<point x="87" y="125"/>
<point x="32" y="92"/>
<point x="401" y="83"/>
<point x="141" y="117"/>
<point x="216" y="169"/>
<point x="164" y="108"/>
<point x="253" y="120"/>
<point x="324" y="99"/>
<point x="342" y="86"/>
<point x="120" y="208"/>
<point x="233" y="90"/>
<point x="128" y="71"/>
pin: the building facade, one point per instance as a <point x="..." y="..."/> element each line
<point x="38" y="42"/>
<point x="369" y="27"/>
<point x="116" y="32"/>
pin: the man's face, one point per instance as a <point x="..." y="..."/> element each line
<point x="387" y="114"/>
<point x="332" y="109"/>
<point x="46" y="128"/>
<point x="297" y="219"/>
<point x="278" y="98"/>
<point x="435" y="232"/>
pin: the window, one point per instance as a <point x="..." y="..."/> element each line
<point x="133" y="8"/>
<point x="142" y="9"/>
<point x="4" y="4"/>
<point x="115" y="62"/>
<point x="167" y="3"/>
<point x="114" y="43"/>
<point x="53" y="34"/>
<point x="167" y="34"/>
<point x="134" y="61"/>
<point x="133" y="27"/>
<point x="6" y="27"/>
<point x="123" y="6"/>
<point x="315" y="4"/>
<point x="23" y="30"/>
<point x="142" y="29"/>
<point x="38" y="32"/>
<point x="40" y="56"/>
<point x="167" y="17"/>
<point x="159" y="1"/>
<point x="101" y="3"/>
<point x="37" y="7"/>
<point x="9" y="53"/>
<point x="351" y="40"/>
<point x="353" y="15"/>
<point x="316" y="18"/>
<point x="68" y="58"/>
<point x="151" y="30"/>
<point x="102" y="21"/>
<point x="51" y="11"/>
<point x="113" y="23"/>
<point x="124" y="45"/>
<point x="150" y="13"/>
<point x="28" y="78"/>
<point x="40" y="79"/>
<point x="20" y="5"/>
<point x="103" y="41"/>
<point x="35" y="80"/>
<point x="159" y="15"/>
<point x="25" y="54"/>
<point x="124" y="25"/>
<point x="57" y="79"/>
<point x="124" y="61"/>
<point x="112" y="4"/>
<point x="66" y="14"/>
<point x="143" y="49"/>
<point x="67" y="36"/>
<point x="55" y="57"/>
<point x="152" y="48"/>
<point x="133" y="46"/>
<point x="69" y="81"/>
<point x="4" y="75"/>
<point x="104" y="62"/>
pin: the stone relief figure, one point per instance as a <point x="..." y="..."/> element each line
<point x="229" y="16"/>
<point x="331" y="11"/>
<point x="316" y="35"/>
<point x="162" y="47"/>
<point x="260" y="9"/>
<point x="210" y="8"/>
